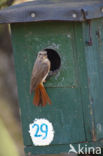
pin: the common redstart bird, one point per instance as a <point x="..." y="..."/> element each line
<point x="39" y="74"/>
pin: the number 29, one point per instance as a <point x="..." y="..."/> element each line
<point x="40" y="130"/>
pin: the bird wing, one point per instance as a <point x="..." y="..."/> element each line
<point x="40" y="70"/>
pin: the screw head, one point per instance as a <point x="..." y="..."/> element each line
<point x="74" y="15"/>
<point x="33" y="15"/>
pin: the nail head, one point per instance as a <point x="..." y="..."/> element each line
<point x="74" y="15"/>
<point x="33" y="15"/>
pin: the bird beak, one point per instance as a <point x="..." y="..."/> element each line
<point x="45" y="57"/>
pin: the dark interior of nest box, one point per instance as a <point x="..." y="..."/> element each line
<point x="54" y="58"/>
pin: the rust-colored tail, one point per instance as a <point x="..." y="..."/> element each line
<point x="41" y="97"/>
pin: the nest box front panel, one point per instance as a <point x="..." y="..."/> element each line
<point x="65" y="113"/>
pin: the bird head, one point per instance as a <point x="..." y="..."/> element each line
<point x="42" y="54"/>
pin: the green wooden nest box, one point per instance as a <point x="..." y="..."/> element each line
<point x="73" y="29"/>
